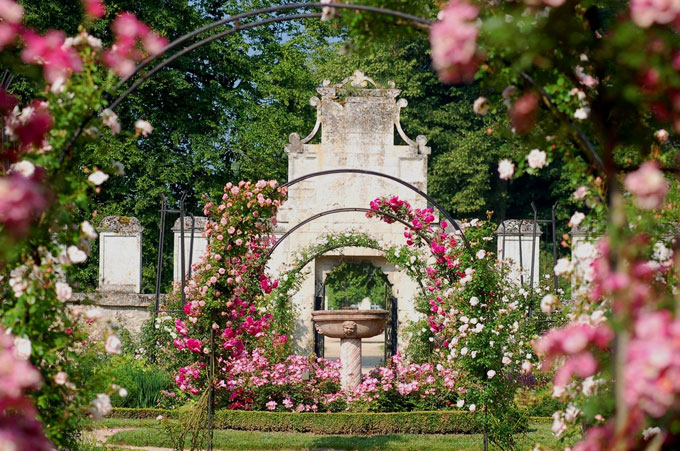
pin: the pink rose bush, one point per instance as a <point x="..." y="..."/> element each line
<point x="47" y="182"/>
<point x="476" y="322"/>
<point x="311" y="384"/>
<point x="225" y="295"/>
<point x="18" y="427"/>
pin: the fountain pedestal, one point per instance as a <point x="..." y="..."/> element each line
<point x="350" y="326"/>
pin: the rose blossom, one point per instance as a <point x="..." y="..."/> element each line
<point x="647" y="12"/>
<point x="563" y="266"/>
<point x="481" y="106"/>
<point x="580" y="193"/>
<point x="98" y="177"/>
<point x="64" y="291"/>
<point x="60" y="378"/>
<point x="22" y="348"/>
<point x="490" y="374"/>
<point x="577" y="218"/>
<point x="24" y="167"/>
<point x="523" y="113"/>
<point x="537" y="159"/>
<point x="143" y="127"/>
<point x="76" y="255"/>
<point x="453" y="39"/>
<point x="102" y="405"/>
<point x="506" y="169"/>
<point x="648" y="186"/>
<point x="113" y="345"/>
<point x="661" y="135"/>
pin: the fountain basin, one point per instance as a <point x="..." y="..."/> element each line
<point x="350" y="323"/>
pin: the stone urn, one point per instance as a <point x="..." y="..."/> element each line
<point x="350" y="326"/>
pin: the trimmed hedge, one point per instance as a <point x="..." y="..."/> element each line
<point x="124" y="412"/>
<point x="343" y="423"/>
<point x="442" y="422"/>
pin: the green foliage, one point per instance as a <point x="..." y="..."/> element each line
<point x="349" y="283"/>
<point x="439" y="422"/>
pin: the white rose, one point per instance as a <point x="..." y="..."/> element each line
<point x="472" y="407"/>
<point x="481" y="106"/>
<point x="474" y="300"/>
<point x="506" y="169"/>
<point x="25" y="168"/>
<point x="102" y="405"/>
<point x="88" y="230"/>
<point x="64" y="291"/>
<point x="75" y="254"/>
<point x="60" y="378"/>
<point x="481" y="254"/>
<point x="490" y="374"/>
<point x="22" y="348"/>
<point x="582" y="113"/>
<point x="548" y="303"/>
<point x="143" y="128"/>
<point x="537" y="159"/>
<point x="577" y="218"/>
<point x="94" y="314"/>
<point x="661" y="135"/>
<point x="98" y="177"/>
<point x="112" y="345"/>
<point x="460" y="403"/>
<point x="122" y="393"/>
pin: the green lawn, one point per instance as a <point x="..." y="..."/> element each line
<point x="246" y="440"/>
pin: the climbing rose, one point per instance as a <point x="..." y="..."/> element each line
<point x="661" y="135"/>
<point x="481" y="106"/>
<point x="580" y="193"/>
<point x="143" y="128"/>
<point x="537" y="159"/>
<point x="454" y="42"/>
<point x="49" y="51"/>
<point x="11" y="11"/>
<point x="21" y="201"/>
<point x="113" y="345"/>
<point x="64" y="291"/>
<point x="506" y="169"/>
<point x="648" y="186"/>
<point x="98" y="177"/>
<point x="647" y="12"/>
<point x="95" y="8"/>
<point x="577" y="218"/>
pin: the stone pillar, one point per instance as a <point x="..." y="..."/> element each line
<point x="120" y="254"/>
<point x="518" y="248"/>
<point x="200" y="244"/>
<point x="350" y="357"/>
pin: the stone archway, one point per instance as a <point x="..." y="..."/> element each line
<point x="357" y="120"/>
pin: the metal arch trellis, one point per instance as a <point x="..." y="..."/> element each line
<point x="238" y="27"/>
<point x="331" y="212"/>
<point x="390" y="177"/>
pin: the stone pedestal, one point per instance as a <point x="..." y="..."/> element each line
<point x="350" y="357"/>
<point x="120" y="254"/>
<point x="199" y="247"/>
<point x="350" y="326"/>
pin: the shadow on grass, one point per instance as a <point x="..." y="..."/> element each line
<point x="252" y="440"/>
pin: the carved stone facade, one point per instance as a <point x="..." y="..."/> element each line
<point x="357" y="122"/>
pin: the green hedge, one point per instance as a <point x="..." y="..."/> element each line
<point x="437" y="422"/>
<point x="443" y="422"/>
<point x="124" y="412"/>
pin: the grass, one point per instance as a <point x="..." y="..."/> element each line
<point x="248" y="440"/>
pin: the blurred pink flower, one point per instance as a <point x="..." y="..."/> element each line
<point x="22" y="200"/>
<point x="647" y="12"/>
<point x="94" y="8"/>
<point x="50" y="52"/>
<point x="454" y="42"/>
<point x="523" y="113"/>
<point x="648" y="186"/>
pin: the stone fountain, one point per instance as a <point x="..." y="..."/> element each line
<point x="350" y="326"/>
